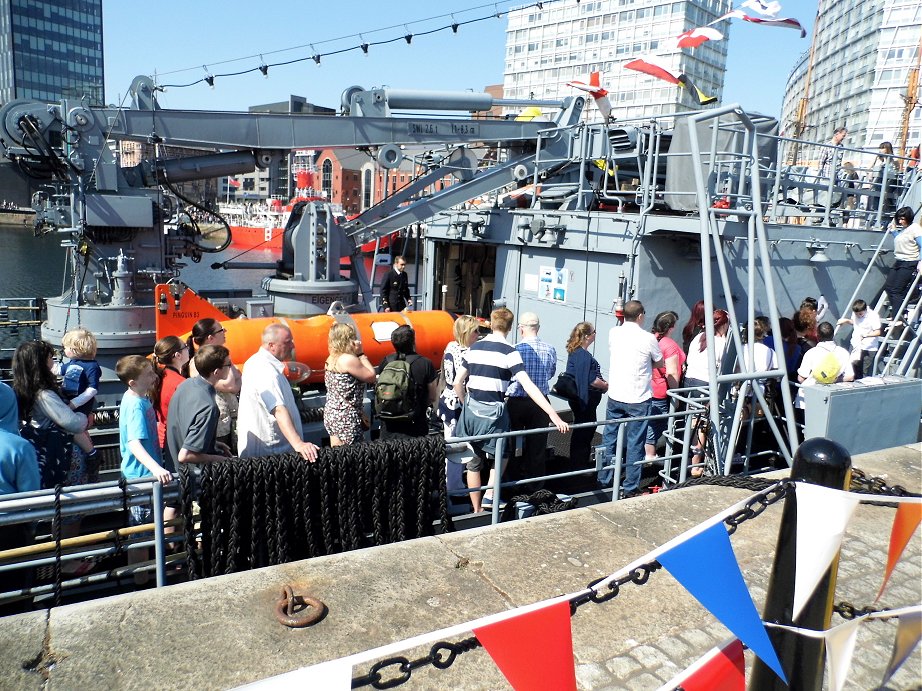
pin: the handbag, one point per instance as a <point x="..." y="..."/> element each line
<point x="565" y="387"/>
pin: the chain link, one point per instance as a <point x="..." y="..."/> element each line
<point x="862" y="482"/>
<point x="847" y="610"/>
<point x="443" y="654"/>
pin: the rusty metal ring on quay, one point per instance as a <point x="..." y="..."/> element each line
<point x="312" y="610"/>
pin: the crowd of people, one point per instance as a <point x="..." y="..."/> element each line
<point x="189" y="403"/>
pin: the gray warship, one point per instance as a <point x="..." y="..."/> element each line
<point x="562" y="215"/>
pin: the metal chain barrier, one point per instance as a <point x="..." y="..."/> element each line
<point x="769" y="493"/>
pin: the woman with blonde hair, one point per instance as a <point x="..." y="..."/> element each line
<point x="347" y="372"/>
<point x="589" y="385"/>
<point x="171" y="356"/>
<point x="466" y="330"/>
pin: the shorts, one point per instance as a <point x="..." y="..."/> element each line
<point x="476" y="464"/>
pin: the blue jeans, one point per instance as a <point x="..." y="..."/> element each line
<point x="636" y="435"/>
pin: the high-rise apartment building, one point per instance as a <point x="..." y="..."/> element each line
<point x="547" y="47"/>
<point x="863" y="52"/>
<point x="51" y="49"/>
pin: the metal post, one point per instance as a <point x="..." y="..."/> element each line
<point x="159" y="546"/>
<point x="822" y="462"/>
<point x="619" y="461"/>
<point x="497" y="479"/>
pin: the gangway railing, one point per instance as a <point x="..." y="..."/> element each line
<point x="744" y="203"/>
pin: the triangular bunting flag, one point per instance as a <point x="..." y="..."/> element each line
<point x="706" y="567"/>
<point x="907" y="638"/>
<point x="907" y="519"/>
<point x="700" y="97"/>
<point x="822" y="516"/>
<point x="335" y="675"/>
<point x="783" y="22"/>
<point x="693" y="38"/>
<point x="533" y="650"/>
<point x="766" y="9"/>
<point x="722" y="668"/>
<point x="654" y="67"/>
<point x="840" y="646"/>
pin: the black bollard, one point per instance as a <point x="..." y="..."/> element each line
<point x="822" y="462"/>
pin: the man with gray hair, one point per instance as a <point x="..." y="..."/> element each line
<point x="268" y="421"/>
<point x="540" y="361"/>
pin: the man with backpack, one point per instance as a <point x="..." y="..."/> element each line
<point x="407" y="385"/>
<point x="826" y="363"/>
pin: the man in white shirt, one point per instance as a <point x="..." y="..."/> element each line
<point x="268" y="421"/>
<point x="634" y="353"/>
<point x="865" y="337"/>
<point x="813" y="359"/>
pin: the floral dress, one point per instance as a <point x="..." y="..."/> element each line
<point x="342" y="413"/>
<point x="449" y="405"/>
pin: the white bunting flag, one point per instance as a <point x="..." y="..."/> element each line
<point x="840" y="646"/>
<point x="822" y="516"/>
<point x="766" y="9"/>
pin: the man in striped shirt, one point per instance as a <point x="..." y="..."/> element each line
<point x="540" y="361"/>
<point x="487" y="369"/>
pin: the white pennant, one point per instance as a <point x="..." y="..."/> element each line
<point x="822" y="516"/>
<point x="840" y="646"/>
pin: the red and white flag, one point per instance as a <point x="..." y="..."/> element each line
<point x="655" y="67"/>
<point x="234" y="182"/>
<point x="783" y="22"/>
<point x="693" y="38"/>
<point x="722" y="668"/>
<point x="766" y="9"/>
<point x="594" y="88"/>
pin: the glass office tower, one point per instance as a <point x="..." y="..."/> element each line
<point x="51" y="49"/>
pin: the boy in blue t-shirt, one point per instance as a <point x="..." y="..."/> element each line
<point x="137" y="425"/>
<point x="137" y="437"/>
<point x="80" y="382"/>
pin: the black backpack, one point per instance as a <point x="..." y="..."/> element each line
<point x="395" y="391"/>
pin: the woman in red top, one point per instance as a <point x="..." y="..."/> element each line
<point x="664" y="378"/>
<point x="170" y="355"/>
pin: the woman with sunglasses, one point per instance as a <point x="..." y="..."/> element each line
<point x="210" y="332"/>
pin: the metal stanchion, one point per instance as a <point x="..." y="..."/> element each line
<point x="822" y="462"/>
<point x="159" y="546"/>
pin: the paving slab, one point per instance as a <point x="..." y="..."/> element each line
<point x="219" y="633"/>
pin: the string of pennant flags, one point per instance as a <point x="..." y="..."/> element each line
<point x="703" y="562"/>
<point x="759" y="13"/>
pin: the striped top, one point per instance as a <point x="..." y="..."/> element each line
<point x="491" y="364"/>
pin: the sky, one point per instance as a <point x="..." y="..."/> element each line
<point x="176" y="40"/>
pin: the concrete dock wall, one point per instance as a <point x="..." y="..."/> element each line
<point x="221" y="632"/>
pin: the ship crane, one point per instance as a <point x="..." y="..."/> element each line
<point x="120" y="218"/>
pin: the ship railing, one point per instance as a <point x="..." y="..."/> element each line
<point x="20" y="320"/>
<point x="685" y="419"/>
<point x="50" y="509"/>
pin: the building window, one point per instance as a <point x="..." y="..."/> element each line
<point x="326" y="179"/>
<point x="367" y="189"/>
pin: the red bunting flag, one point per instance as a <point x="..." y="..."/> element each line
<point x="654" y="67"/>
<point x="534" y="651"/>
<point x="783" y="22"/>
<point x="907" y="519"/>
<point x="694" y="38"/>
<point x="722" y="668"/>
